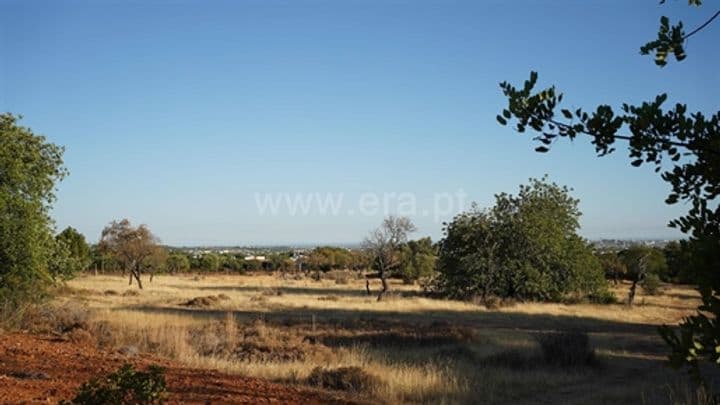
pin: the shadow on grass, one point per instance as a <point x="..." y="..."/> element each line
<point x="366" y="320"/>
<point x="294" y="290"/>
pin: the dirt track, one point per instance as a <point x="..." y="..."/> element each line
<point x="40" y="369"/>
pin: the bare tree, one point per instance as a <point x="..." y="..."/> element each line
<point x="383" y="243"/>
<point x="134" y="248"/>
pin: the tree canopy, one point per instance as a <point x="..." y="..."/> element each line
<point x="30" y="167"/>
<point x="136" y="249"/>
<point x="526" y="246"/>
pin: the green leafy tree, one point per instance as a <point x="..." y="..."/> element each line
<point x="30" y="167"/>
<point x="417" y="260"/>
<point x="679" y="260"/>
<point x="526" y="247"/>
<point x="78" y="249"/>
<point x="615" y="269"/>
<point x="62" y="264"/>
<point x="210" y="262"/>
<point x="177" y="263"/>
<point x="688" y="142"/>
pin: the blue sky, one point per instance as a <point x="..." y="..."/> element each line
<point x="176" y="114"/>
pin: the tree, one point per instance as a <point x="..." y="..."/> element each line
<point x="691" y="143"/>
<point x="177" y="263"/>
<point x="642" y="263"/>
<point x="679" y="260"/>
<point x="417" y="260"/>
<point x="62" y="264"/>
<point x="210" y="262"/>
<point x="134" y="248"/>
<point x="383" y="243"/>
<point x="77" y="246"/>
<point x="615" y="269"/>
<point x="30" y="167"/>
<point x="525" y="247"/>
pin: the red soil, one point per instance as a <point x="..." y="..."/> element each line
<point x="41" y="369"/>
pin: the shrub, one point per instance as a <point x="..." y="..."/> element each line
<point x="125" y="386"/>
<point x="567" y="349"/>
<point x="344" y="378"/>
<point x="651" y="284"/>
<point x="603" y="297"/>
<point x="339" y="276"/>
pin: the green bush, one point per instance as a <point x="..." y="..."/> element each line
<point x="125" y="386"/>
<point x="603" y="297"/>
<point x="651" y="284"/>
<point x="566" y="349"/>
<point x="525" y="247"/>
<point x="344" y="378"/>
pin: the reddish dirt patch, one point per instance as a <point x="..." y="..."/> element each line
<point x="41" y="369"/>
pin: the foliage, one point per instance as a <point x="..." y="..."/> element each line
<point x="615" y="269"/>
<point x="654" y="262"/>
<point x="567" y="349"/>
<point x="77" y="245"/>
<point x="30" y="168"/>
<point x="136" y="249"/>
<point x="651" y="284"/>
<point x="678" y="256"/>
<point x="687" y="142"/>
<point x="353" y="379"/>
<point x="210" y="262"/>
<point x="177" y="263"/>
<point x="326" y="258"/>
<point x="63" y="264"/>
<point x="526" y="247"/>
<point x="125" y="386"/>
<point x="417" y="260"/>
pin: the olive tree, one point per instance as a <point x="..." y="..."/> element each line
<point x="136" y="249"/>
<point x="383" y="245"/>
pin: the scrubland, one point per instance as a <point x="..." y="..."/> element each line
<point x="405" y="349"/>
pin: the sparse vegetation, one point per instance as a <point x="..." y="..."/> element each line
<point x="353" y="379"/>
<point x="416" y="349"/>
<point x="125" y="386"/>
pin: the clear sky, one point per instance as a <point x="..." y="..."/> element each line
<point x="179" y="114"/>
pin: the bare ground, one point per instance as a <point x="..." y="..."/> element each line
<point x="46" y="369"/>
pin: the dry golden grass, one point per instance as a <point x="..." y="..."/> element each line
<point x="421" y="350"/>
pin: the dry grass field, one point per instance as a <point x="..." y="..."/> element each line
<point x="415" y="349"/>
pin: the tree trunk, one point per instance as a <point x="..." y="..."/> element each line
<point x="367" y="286"/>
<point x="131" y="276"/>
<point x="384" y="289"/>
<point x="137" y="277"/>
<point x="631" y="295"/>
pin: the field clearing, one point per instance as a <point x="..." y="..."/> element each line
<point x="418" y="349"/>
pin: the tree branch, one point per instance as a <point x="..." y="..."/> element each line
<point x="626" y="137"/>
<point x="705" y="24"/>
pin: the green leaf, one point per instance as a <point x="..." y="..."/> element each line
<point x="501" y="120"/>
